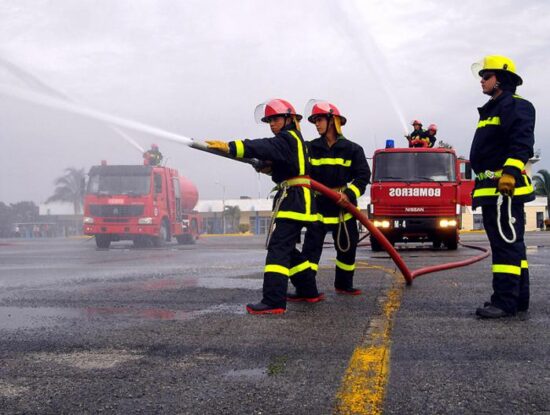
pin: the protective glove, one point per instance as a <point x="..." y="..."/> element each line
<point x="218" y="145"/>
<point x="506" y="185"/>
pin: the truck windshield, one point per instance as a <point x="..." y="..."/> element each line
<point x="132" y="185"/>
<point x="414" y="167"/>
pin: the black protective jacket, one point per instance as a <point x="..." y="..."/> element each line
<point x="342" y="166"/>
<point x="503" y="143"/>
<point x="289" y="157"/>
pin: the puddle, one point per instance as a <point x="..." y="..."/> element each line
<point x="9" y="390"/>
<point x="89" y="360"/>
<point x="246" y="374"/>
<point x="32" y="317"/>
<point x="12" y="318"/>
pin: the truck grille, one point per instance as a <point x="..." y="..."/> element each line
<point x="110" y="211"/>
<point x="412" y="211"/>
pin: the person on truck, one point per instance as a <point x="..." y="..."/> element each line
<point x="428" y="138"/>
<point x="293" y="205"/>
<point x="153" y="157"/>
<point x="340" y="164"/>
<point x="502" y="144"/>
<point x="416" y="134"/>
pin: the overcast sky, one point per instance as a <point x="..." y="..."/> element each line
<point x="199" y="68"/>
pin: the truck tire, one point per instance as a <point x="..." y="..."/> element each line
<point x="452" y="243"/>
<point x="436" y="244"/>
<point x="103" y="241"/>
<point x="185" y="239"/>
<point x="163" y="236"/>
<point x="375" y="245"/>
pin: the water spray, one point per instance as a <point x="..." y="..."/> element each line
<point x="36" y="84"/>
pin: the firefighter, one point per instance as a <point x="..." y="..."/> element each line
<point x="293" y="205"/>
<point x="428" y="138"/>
<point x="153" y="156"/>
<point x="416" y="134"/>
<point x="502" y="144"/>
<point x="340" y="164"/>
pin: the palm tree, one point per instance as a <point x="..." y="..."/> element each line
<point x="70" y="188"/>
<point x="233" y="213"/>
<point x="542" y="185"/>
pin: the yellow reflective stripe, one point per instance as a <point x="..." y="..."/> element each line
<point x="331" y="162"/>
<point x="524" y="263"/>
<point x="314" y="267"/>
<point x="299" y="268"/>
<point x="514" y="163"/>
<point x="489" y="121"/>
<point x="279" y="269"/>
<point x="305" y="217"/>
<point x="492" y="191"/>
<point x="296" y="182"/>
<point x="239" y="149"/>
<point x="345" y="267"/>
<point x="333" y="220"/>
<point x="307" y="199"/>
<point x="507" y="269"/>
<point x="355" y="190"/>
<point x="301" y="158"/>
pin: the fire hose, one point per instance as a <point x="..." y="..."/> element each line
<point x="361" y="217"/>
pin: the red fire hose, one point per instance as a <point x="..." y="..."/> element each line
<point x="407" y="274"/>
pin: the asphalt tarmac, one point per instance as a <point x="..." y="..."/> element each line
<point x="164" y="330"/>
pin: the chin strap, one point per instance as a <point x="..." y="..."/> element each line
<point x="511" y="219"/>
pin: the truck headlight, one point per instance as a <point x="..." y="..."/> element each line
<point x="88" y="219"/>
<point x="447" y="223"/>
<point x="145" y="221"/>
<point x="382" y="223"/>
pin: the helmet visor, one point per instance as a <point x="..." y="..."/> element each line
<point x="476" y="68"/>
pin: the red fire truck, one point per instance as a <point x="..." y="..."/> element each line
<point x="417" y="195"/>
<point x="146" y="204"/>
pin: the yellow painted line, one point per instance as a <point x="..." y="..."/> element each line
<point x="363" y="387"/>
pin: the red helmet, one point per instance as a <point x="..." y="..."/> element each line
<point x="154" y="147"/>
<point x="416" y="122"/>
<point x="274" y="107"/>
<point x="432" y="127"/>
<point x="319" y="107"/>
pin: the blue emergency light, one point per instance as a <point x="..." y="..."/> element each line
<point x="390" y="143"/>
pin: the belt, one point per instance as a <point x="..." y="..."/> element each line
<point x="301" y="181"/>
<point x="488" y="174"/>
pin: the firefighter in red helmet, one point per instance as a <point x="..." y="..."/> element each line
<point x="428" y="139"/>
<point x="340" y="164"/>
<point x="153" y="156"/>
<point x="502" y="145"/>
<point x="293" y="205"/>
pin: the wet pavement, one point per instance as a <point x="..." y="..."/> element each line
<point x="164" y="330"/>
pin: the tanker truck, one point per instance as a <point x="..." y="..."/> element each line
<point x="145" y="204"/>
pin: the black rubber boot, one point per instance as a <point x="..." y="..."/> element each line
<point x="492" y="312"/>
<point x="261" y="308"/>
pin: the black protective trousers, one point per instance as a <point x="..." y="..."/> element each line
<point x="283" y="261"/>
<point x="345" y="249"/>
<point x="510" y="268"/>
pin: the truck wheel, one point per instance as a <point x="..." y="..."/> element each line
<point x="436" y="244"/>
<point x="103" y="241"/>
<point x="164" y="235"/>
<point x="375" y="245"/>
<point x="185" y="239"/>
<point x="452" y="243"/>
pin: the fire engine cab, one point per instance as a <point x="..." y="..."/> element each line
<point x="417" y="194"/>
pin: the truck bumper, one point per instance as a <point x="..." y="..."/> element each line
<point x="121" y="232"/>
<point x="417" y="229"/>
